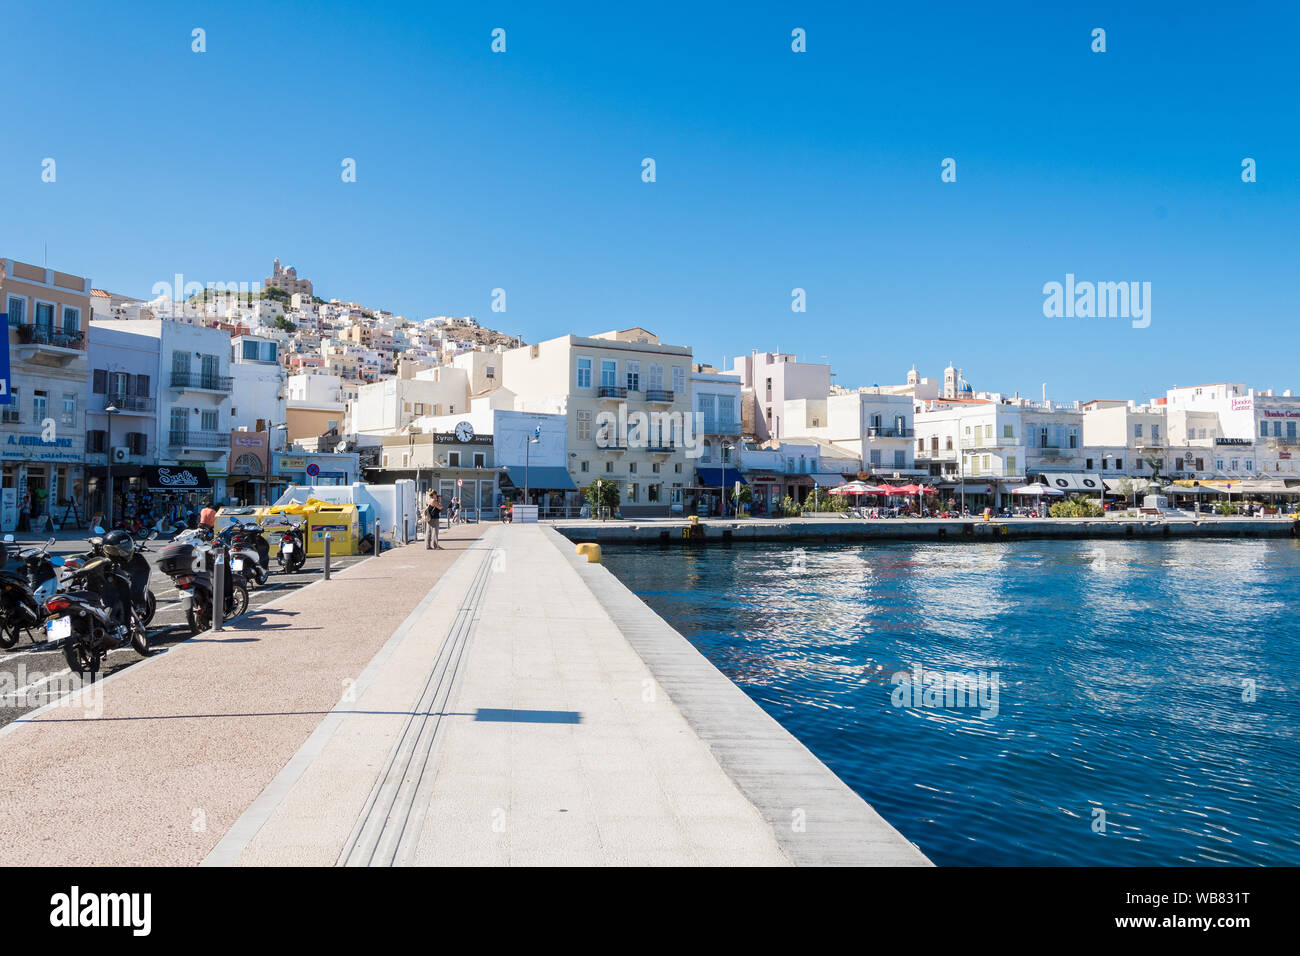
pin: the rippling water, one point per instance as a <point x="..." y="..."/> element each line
<point x="1120" y="668"/>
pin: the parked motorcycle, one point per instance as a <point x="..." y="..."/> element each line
<point x="191" y="565"/>
<point x="94" y="614"/>
<point x="293" y="549"/>
<point x="133" y="563"/>
<point x="25" y="587"/>
<point x="250" y="554"/>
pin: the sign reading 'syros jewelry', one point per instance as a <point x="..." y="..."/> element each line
<point x="176" y="478"/>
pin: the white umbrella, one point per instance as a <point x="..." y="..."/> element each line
<point x="1036" y="489"/>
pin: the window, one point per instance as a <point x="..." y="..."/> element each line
<point x="1119" y="464"/>
<point x="900" y="458"/>
<point x="1011" y="464"/>
<point x="69" y="409"/>
<point x="875" y="458"/>
<point x="208" y="420"/>
<point x="97" y="441"/>
<point x="137" y="443"/>
<point x="679" y="379"/>
<point x="1218" y="464"/>
<point x="1137" y="430"/>
<point x="584" y="373"/>
<point x="633" y="376"/>
<point x="584" y="423"/>
<point x="1155" y="433"/>
<point x="453" y="459"/>
<point x="656" y="375"/>
<point x="608" y="373"/>
<point x="12" y="413"/>
<point x="71" y="320"/>
<point x="987" y="462"/>
<point x="40" y="407"/>
<point x="584" y="466"/>
<point x="1087" y="464"/>
<point x="1250" y="464"/>
<point x="655" y="467"/>
<point x="677" y="468"/>
<point x="17" y="310"/>
<point x="45" y="315"/>
<point x="491" y="371"/>
<point x="99" y="382"/>
<point x="631" y="468"/>
<point x="1008" y="433"/>
<point x="480" y="459"/>
<point x="609" y="466"/>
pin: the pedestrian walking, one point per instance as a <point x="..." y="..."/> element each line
<point x="432" y="517"/>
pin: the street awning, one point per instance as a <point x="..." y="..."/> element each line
<point x="175" y="477"/>
<point x="719" y="477"/>
<point x="1074" y="482"/>
<point x="541" y="477"/>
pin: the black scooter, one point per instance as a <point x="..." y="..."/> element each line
<point x="192" y="566"/>
<point x="293" y="550"/>
<point x="24" y="588"/>
<point x="95" y="613"/>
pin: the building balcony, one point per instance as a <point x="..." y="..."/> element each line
<point x="721" y="428"/>
<point x="661" y="447"/>
<point x="48" y="345"/>
<point x="875" y="432"/>
<point x="661" y="395"/>
<point x="198" y="439"/>
<point x="1287" y="440"/>
<point x="611" y="391"/>
<point x="1053" y="451"/>
<point x="130" y="404"/>
<point x="198" y="381"/>
<point x="10" y="415"/>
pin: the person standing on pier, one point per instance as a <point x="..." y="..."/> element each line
<point x="432" y="517"/>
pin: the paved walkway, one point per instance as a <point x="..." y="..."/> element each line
<point x="188" y="739"/>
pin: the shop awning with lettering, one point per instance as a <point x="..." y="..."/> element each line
<point x="541" y="477"/>
<point x="176" y="477"/>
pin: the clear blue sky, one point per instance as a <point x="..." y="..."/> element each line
<point x="775" y="170"/>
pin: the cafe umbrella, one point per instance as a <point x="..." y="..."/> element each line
<point x="1037" y="490"/>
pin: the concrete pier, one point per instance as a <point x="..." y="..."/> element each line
<point x="835" y="528"/>
<point x="499" y="703"/>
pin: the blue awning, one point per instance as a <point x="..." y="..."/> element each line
<point x="541" y="477"/>
<point x="720" y="477"/>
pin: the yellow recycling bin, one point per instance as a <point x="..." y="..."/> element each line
<point x="278" y="518"/>
<point x="340" y="522"/>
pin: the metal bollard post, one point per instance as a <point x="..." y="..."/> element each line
<point x="327" y="555"/>
<point x="218" y="589"/>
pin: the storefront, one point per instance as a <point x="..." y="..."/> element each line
<point x="42" y="482"/>
<point x="550" y="487"/>
<point x="174" y="491"/>
<point x="715" y="488"/>
<point x="250" y="476"/>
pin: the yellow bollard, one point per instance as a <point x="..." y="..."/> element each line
<point x="694" y="519"/>
<point x="592" y="551"/>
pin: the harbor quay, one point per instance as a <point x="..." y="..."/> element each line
<point x="836" y="529"/>
<point x="498" y="702"/>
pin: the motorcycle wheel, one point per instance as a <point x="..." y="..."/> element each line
<point x="140" y="641"/>
<point x="238" y="600"/>
<point x="150" y="606"/>
<point x="8" y="632"/>
<point x="81" y="657"/>
<point x="299" y="559"/>
<point x="198" y="623"/>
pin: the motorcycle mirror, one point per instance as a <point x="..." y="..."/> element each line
<point x="98" y="530"/>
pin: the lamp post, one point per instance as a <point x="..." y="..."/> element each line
<point x="723" y="448"/>
<point x="535" y="439"/>
<point x="110" y="410"/>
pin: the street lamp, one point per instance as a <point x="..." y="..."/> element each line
<point x="536" y="439"/>
<point x="723" y="448"/>
<point x="110" y="410"/>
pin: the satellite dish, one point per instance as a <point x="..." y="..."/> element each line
<point x="341" y="446"/>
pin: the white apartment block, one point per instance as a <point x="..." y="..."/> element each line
<point x="770" y="379"/>
<point x="625" y="398"/>
<point x="872" y="424"/>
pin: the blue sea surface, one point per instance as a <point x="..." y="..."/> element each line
<point x="1146" y="691"/>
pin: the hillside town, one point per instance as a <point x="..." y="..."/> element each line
<point x="250" y="390"/>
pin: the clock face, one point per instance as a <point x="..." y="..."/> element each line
<point x="464" y="432"/>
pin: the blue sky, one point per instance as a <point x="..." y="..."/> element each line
<point x="775" y="170"/>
